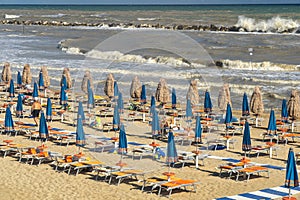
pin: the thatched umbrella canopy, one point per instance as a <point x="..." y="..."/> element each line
<point x="109" y="85"/>
<point x="46" y="78"/>
<point x="84" y="85"/>
<point x="26" y="76"/>
<point x="294" y="105"/>
<point x="6" y="73"/>
<point x="224" y="97"/>
<point x="256" y="103"/>
<point x="162" y="92"/>
<point x="192" y="93"/>
<point x="67" y="75"/>
<point x="135" y="88"/>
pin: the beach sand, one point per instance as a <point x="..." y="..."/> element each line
<point x="24" y="181"/>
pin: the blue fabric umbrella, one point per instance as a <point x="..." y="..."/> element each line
<point x="64" y="81"/>
<point x="49" y="109"/>
<point x="246" y="145"/>
<point x="122" y="140"/>
<point x="272" y="122"/>
<point x="155" y="122"/>
<point x="116" y="89"/>
<point x="80" y="136"/>
<point x="63" y="96"/>
<point x="198" y="130"/>
<point x="19" y="80"/>
<point x="43" y="128"/>
<point x="228" y="116"/>
<point x="80" y="111"/>
<point x="143" y="95"/>
<point x="11" y="89"/>
<point x="120" y="102"/>
<point x="153" y="104"/>
<point x="91" y="99"/>
<point x="19" y="107"/>
<point x="207" y="102"/>
<point x="188" y="109"/>
<point x="116" y="119"/>
<point x="284" y="111"/>
<point x="291" y="176"/>
<point x="41" y="82"/>
<point x="8" y="121"/>
<point x="245" y="106"/>
<point x="35" y="93"/>
<point x="171" y="150"/>
<point x="174" y="98"/>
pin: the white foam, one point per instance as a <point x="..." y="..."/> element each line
<point x="54" y="16"/>
<point x="7" y="16"/>
<point x="147" y="19"/>
<point x="275" y="24"/>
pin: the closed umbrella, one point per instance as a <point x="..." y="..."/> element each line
<point x="284" y="111"/>
<point x="43" y="128"/>
<point x="245" y="106"/>
<point x="207" y="102"/>
<point x="80" y="111"/>
<point x="35" y="93"/>
<point x="26" y="76"/>
<point x="122" y="143"/>
<point x="67" y="75"/>
<point x="272" y="122"/>
<point x="19" y="108"/>
<point x="143" y="95"/>
<point x="91" y="99"/>
<point x="162" y="92"/>
<point x="256" y="103"/>
<point x="19" y="80"/>
<point x="80" y="135"/>
<point x="46" y="78"/>
<point x="116" y="89"/>
<point x="11" y="89"/>
<point x="153" y="104"/>
<point x="63" y="97"/>
<point x="291" y="175"/>
<point x="294" y="105"/>
<point x="49" y="110"/>
<point x="198" y="130"/>
<point x="63" y="81"/>
<point x="120" y="102"/>
<point x="135" y="88"/>
<point x="174" y="98"/>
<point x="192" y="93"/>
<point x="87" y="78"/>
<point x="155" y="125"/>
<point x="228" y="116"/>
<point x="116" y="119"/>
<point x="246" y="144"/>
<point x="188" y="109"/>
<point x="41" y="82"/>
<point x="172" y="156"/>
<point x="6" y="73"/>
<point x="109" y="86"/>
<point x="8" y="121"/>
<point x="224" y="97"/>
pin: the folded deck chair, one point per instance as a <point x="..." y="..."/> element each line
<point x="178" y="184"/>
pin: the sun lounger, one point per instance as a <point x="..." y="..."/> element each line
<point x="154" y="182"/>
<point x="178" y="184"/>
<point x="82" y="165"/>
<point x="248" y="171"/>
<point x="126" y="174"/>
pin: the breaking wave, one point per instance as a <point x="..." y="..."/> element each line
<point x="275" y="24"/>
<point x="147" y="19"/>
<point x="6" y="16"/>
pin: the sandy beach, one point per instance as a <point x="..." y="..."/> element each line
<point x="24" y="181"/>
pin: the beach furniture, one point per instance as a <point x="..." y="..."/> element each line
<point x="178" y="184"/>
<point x="126" y="174"/>
<point x="103" y="145"/>
<point x="83" y="165"/>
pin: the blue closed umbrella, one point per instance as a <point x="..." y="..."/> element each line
<point x="43" y="128"/>
<point x="198" y="130"/>
<point x="80" y="111"/>
<point x="63" y="96"/>
<point x="246" y="144"/>
<point x="19" y="80"/>
<point x="35" y="93"/>
<point x="41" y="82"/>
<point x="8" y="121"/>
<point x="272" y="122"/>
<point x="19" y="108"/>
<point x="228" y="116"/>
<point x="122" y="139"/>
<point x="245" y="106"/>
<point x="153" y="104"/>
<point x="91" y="99"/>
<point x="120" y="102"/>
<point x="174" y="98"/>
<point x="143" y="95"/>
<point x="291" y="175"/>
<point x="11" y="89"/>
<point x="207" y="102"/>
<point x="284" y="111"/>
<point x="116" y="119"/>
<point x="49" y="109"/>
<point x="155" y="122"/>
<point x="64" y="81"/>
<point x="116" y="89"/>
<point x="188" y="109"/>
<point x="172" y="156"/>
<point x="80" y="135"/>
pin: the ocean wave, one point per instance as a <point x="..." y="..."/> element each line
<point x="54" y="15"/>
<point x="147" y="19"/>
<point x="7" y="16"/>
<point x="275" y="24"/>
<point x="266" y="65"/>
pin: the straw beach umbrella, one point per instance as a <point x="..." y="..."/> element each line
<point x="224" y="97"/>
<point x="26" y="76"/>
<point x="135" y="88"/>
<point x="109" y="86"/>
<point x="291" y="175"/>
<point x="46" y="78"/>
<point x="87" y="78"/>
<point x="294" y="105"/>
<point x="6" y="73"/>
<point x="192" y="93"/>
<point x="68" y="81"/>
<point x="246" y="144"/>
<point x="162" y="92"/>
<point x="256" y="103"/>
